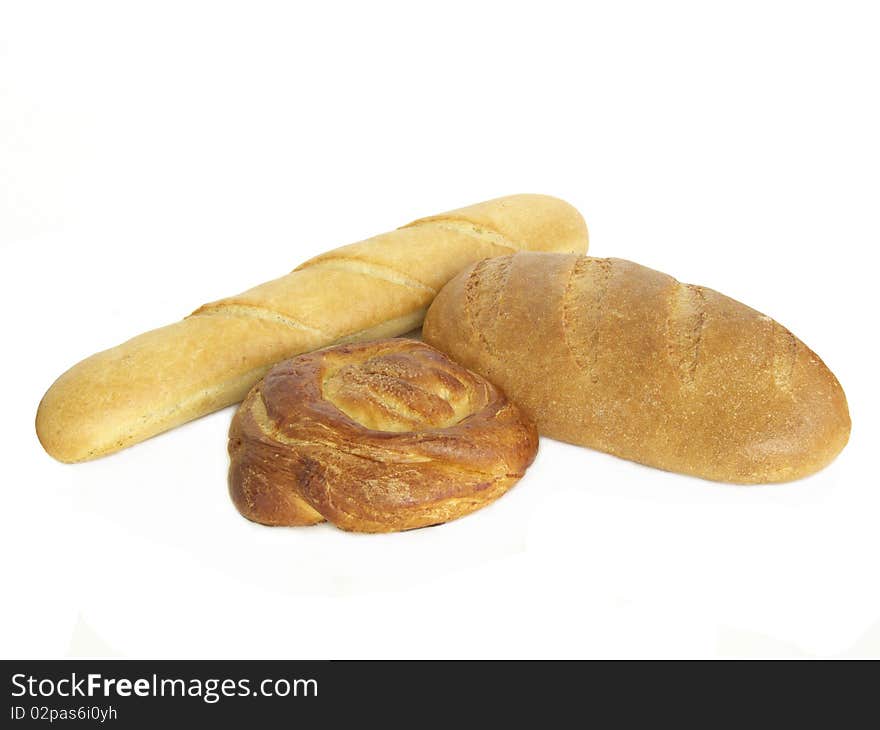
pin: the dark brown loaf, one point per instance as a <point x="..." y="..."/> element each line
<point x="621" y="358"/>
<point x="374" y="437"/>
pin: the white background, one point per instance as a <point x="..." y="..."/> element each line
<point x="156" y="156"/>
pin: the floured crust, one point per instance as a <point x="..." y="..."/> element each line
<point x="618" y="357"/>
<point x="374" y="437"/>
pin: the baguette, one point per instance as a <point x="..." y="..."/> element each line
<point x="380" y="287"/>
<point x="615" y="356"/>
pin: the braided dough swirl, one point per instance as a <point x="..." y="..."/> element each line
<point x="374" y="437"/>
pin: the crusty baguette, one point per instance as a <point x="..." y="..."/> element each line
<point x="380" y="287"/>
<point x="374" y="437"/>
<point x="611" y="355"/>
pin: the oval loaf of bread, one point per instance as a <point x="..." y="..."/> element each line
<point x="618" y="357"/>
<point x="380" y="287"/>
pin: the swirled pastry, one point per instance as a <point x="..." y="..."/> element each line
<point x="374" y="437"/>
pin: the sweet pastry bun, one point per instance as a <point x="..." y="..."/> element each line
<point x="374" y="437"/>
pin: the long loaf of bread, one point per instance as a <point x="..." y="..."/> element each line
<point x="615" y="356"/>
<point x="380" y="287"/>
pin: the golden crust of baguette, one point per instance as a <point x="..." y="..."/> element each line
<point x="618" y="357"/>
<point x="374" y="437"/>
<point x="380" y="287"/>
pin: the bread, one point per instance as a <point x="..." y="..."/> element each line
<point x="374" y="437"/>
<point x="380" y="287"/>
<point x="615" y="356"/>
